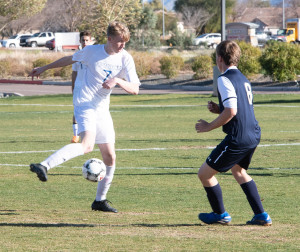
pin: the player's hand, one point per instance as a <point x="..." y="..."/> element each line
<point x="109" y="84"/>
<point x="213" y="107"/>
<point x="202" y="126"/>
<point x="36" y="72"/>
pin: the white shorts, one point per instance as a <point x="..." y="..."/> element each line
<point x="95" y="120"/>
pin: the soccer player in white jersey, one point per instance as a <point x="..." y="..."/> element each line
<point x="85" y="38"/>
<point x="236" y="116"/>
<point x="107" y="65"/>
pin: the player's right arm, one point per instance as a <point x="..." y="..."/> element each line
<point x="65" y="61"/>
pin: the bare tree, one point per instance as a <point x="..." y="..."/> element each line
<point x="195" y="17"/>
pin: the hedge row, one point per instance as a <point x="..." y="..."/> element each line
<point x="280" y="61"/>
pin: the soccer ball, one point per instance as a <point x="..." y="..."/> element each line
<point x="94" y="170"/>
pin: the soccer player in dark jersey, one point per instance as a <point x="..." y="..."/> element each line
<point x="236" y="116"/>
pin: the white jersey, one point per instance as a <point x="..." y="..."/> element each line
<point x="80" y="69"/>
<point x="98" y="66"/>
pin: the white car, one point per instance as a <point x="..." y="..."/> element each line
<point x="210" y="39"/>
<point x="39" y="39"/>
<point x="13" y="41"/>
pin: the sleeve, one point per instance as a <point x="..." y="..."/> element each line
<point x="129" y="71"/>
<point x="83" y="55"/>
<point x="227" y="92"/>
<point x="75" y="67"/>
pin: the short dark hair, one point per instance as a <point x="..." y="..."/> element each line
<point x="85" y="33"/>
<point x="229" y="51"/>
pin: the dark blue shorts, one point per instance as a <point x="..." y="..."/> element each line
<point x="226" y="155"/>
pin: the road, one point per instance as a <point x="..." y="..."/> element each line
<point x="30" y="90"/>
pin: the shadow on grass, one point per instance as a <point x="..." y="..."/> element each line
<point x="277" y="101"/>
<point x="8" y="212"/>
<point x="156" y="225"/>
<point x="46" y="225"/>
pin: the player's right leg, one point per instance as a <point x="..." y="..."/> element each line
<point x="206" y="174"/>
<point x="64" y="154"/>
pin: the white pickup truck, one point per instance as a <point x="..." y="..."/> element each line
<point x="39" y="39"/>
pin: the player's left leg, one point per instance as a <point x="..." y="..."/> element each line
<point x="206" y="174"/>
<point x="105" y="139"/>
<point x="250" y="189"/>
<point x="109" y="158"/>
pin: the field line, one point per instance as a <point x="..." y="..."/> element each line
<point x="147" y="105"/>
<point x="150" y="168"/>
<point x="145" y="149"/>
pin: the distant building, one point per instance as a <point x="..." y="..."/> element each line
<point x="269" y="19"/>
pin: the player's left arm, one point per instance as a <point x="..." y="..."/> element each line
<point x="226" y="115"/>
<point x="129" y="87"/>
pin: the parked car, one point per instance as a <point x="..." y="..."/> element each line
<point x="50" y="44"/>
<point x="14" y="41"/>
<point x="263" y="37"/>
<point x="23" y="40"/>
<point x="39" y="39"/>
<point x="209" y="39"/>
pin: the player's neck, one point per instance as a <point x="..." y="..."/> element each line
<point x="109" y="50"/>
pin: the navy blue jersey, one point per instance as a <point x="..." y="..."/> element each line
<point x="242" y="130"/>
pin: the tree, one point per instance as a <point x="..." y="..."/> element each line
<point x="213" y="7"/>
<point x="12" y="10"/>
<point x="195" y="18"/>
<point x="106" y="11"/>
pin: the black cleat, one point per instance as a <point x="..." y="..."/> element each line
<point x="103" y="206"/>
<point x="40" y="170"/>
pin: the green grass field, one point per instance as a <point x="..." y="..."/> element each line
<point x="155" y="188"/>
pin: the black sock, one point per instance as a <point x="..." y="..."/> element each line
<point x="253" y="197"/>
<point x="215" y="198"/>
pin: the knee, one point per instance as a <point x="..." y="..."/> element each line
<point x="87" y="148"/>
<point x="201" y="176"/>
<point x="109" y="158"/>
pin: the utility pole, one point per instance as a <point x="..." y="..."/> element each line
<point x="143" y="40"/>
<point x="283" y="15"/>
<point x="223" y="19"/>
<point x="163" y="4"/>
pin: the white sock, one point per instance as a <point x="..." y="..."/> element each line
<point x="75" y="129"/>
<point x="104" y="184"/>
<point x="64" y="154"/>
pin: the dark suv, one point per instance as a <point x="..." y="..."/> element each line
<point x="23" y="39"/>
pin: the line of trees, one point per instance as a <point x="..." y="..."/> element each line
<point x="143" y="18"/>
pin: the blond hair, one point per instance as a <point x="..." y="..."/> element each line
<point x="117" y="28"/>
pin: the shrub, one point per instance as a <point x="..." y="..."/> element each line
<point x="249" y="63"/>
<point x="181" y="40"/>
<point x="64" y="72"/>
<point x="202" y="66"/>
<point x="143" y="61"/>
<point x="5" y="68"/>
<point x="170" y="65"/>
<point x="42" y="62"/>
<point x="281" y="61"/>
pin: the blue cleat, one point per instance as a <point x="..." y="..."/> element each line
<point x="262" y="219"/>
<point x="214" y="218"/>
